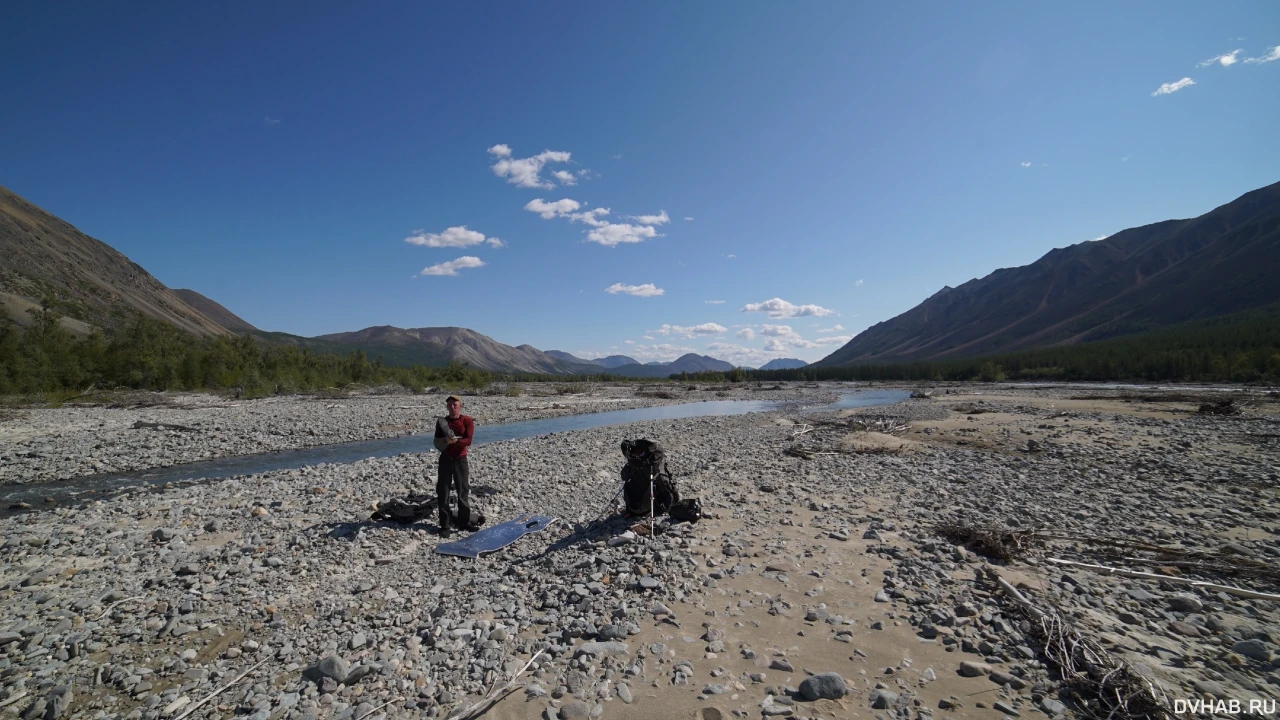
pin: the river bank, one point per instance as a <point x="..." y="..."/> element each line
<point x="163" y="429"/>
<point x="827" y="559"/>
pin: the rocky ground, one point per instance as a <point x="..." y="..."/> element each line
<point x="820" y="588"/>
<point x="148" y="430"/>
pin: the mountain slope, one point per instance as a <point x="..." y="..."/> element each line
<point x="214" y="311"/>
<point x="1225" y="261"/>
<point x="690" y="362"/>
<point x="441" y="345"/>
<point x="783" y="364"/>
<point x="42" y="256"/>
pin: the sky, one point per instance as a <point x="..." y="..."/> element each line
<point x="747" y="180"/>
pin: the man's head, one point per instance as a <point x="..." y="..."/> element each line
<point x="454" y="404"/>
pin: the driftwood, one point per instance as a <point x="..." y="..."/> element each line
<point x="1104" y="685"/>
<point x="1240" y="592"/>
<point x="493" y="696"/>
<point x="144" y="425"/>
<point x="995" y="541"/>
<point x="113" y="605"/>
<point x="222" y="689"/>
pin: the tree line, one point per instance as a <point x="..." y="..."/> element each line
<point x="147" y="354"/>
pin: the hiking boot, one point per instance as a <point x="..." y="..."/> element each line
<point x="445" y="531"/>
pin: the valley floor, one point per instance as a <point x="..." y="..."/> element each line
<point x="49" y="444"/>
<point x="823" y="554"/>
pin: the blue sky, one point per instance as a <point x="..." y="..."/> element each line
<point x="777" y="176"/>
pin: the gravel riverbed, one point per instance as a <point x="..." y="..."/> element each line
<point x="818" y="588"/>
<point x="47" y="444"/>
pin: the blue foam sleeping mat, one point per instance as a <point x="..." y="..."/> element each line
<point x="495" y="538"/>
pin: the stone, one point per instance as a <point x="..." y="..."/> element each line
<point x="1052" y="707"/>
<point x="576" y="710"/>
<point x="823" y="686"/>
<point x="624" y="693"/>
<point x="1005" y="708"/>
<point x="163" y="534"/>
<point x="881" y="596"/>
<point x="969" y="668"/>
<point x="332" y="667"/>
<point x="781" y="664"/>
<point x="603" y="648"/>
<point x="882" y="699"/>
<point x="1254" y="649"/>
<point x="1185" y="602"/>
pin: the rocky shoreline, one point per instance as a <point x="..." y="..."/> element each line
<point x="163" y="429"/>
<point x="820" y="588"/>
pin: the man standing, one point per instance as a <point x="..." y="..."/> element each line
<point x="453" y="470"/>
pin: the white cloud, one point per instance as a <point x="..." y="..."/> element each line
<point x="525" y="172"/>
<point x="689" y="219"/>
<point x="774" y="346"/>
<point x="1026" y="164"/>
<point x="628" y="342"/>
<point x="785" y="335"/>
<point x="662" y="352"/>
<point x="1173" y="87"/>
<point x="1101" y="237"/>
<point x="614" y="234"/>
<point x="453" y="266"/>
<point x="746" y="334"/>
<point x="565" y="177"/>
<point x="857" y="283"/>
<point x="834" y="328"/>
<point x="646" y="290"/>
<point x="731" y="256"/>
<point x="1125" y="158"/>
<point x="646" y="337"/>
<point x="689" y="331"/>
<point x="779" y="308"/>
<point x="833" y="340"/>
<point x="659" y="219"/>
<point x="549" y="210"/>
<point x="458" y="236"/>
<point x="1225" y="59"/>
<point x="270" y="121"/>
<point x="713" y="302"/>
<point x="740" y="355"/>
<point x="1271" y="55"/>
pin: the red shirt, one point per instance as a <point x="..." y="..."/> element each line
<point x="465" y="428"/>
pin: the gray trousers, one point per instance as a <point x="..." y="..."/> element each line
<point x="454" y="473"/>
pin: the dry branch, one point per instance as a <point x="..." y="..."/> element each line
<point x="1104" y="685"/>
<point x="222" y="689"/>
<point x="1241" y="592"/>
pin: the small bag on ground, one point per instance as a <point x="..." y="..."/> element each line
<point x="687" y="510"/>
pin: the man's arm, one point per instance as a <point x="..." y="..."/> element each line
<point x="468" y="431"/>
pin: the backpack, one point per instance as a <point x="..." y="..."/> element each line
<point x="646" y="460"/>
<point x="687" y="510"/>
<point x="407" y="510"/>
<point x="410" y="509"/>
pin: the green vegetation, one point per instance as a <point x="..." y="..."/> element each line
<point x="46" y="360"/>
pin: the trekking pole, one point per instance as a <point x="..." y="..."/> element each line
<point x="651" y="474"/>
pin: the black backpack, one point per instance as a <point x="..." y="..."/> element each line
<point x="647" y="467"/>
<point x="411" y="509"/>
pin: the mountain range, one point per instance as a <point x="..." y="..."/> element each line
<point x="1223" y="262"/>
